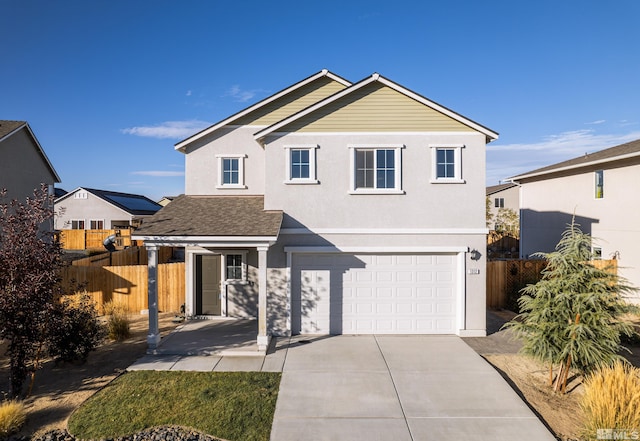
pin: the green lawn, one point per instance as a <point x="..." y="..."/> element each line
<point x="230" y="405"/>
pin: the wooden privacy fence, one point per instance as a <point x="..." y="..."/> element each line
<point x="130" y="256"/>
<point x="127" y="285"/>
<point x="505" y="279"/>
<point x="92" y="239"/>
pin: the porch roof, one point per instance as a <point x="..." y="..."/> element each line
<point x="212" y="216"/>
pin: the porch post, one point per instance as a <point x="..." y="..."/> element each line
<point x="153" y="337"/>
<point x="263" y="338"/>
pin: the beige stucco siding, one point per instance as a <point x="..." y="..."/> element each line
<point x="291" y="103"/>
<point x="549" y="205"/>
<point x="376" y="107"/>
<point x="511" y="198"/>
<point x="201" y="163"/>
<point x="329" y="203"/>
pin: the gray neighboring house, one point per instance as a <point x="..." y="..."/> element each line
<point x="91" y="209"/>
<point x="503" y="196"/>
<point x="24" y="166"/>
<point x="598" y="188"/>
<point x="332" y="207"/>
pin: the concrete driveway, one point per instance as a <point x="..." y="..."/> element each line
<point x="396" y="388"/>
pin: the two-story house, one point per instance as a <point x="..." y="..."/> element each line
<point x="333" y="207"/>
<point x="596" y="190"/>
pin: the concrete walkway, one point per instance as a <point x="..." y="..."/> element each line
<point x="379" y="388"/>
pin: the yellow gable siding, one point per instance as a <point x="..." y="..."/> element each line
<point x="376" y="108"/>
<point x="292" y="103"/>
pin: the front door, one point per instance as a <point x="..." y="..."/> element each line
<point x="208" y="301"/>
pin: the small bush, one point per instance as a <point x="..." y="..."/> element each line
<point x="12" y="417"/>
<point x="118" y="321"/>
<point x="75" y="329"/>
<point x="611" y="400"/>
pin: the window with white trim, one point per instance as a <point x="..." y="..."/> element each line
<point x="376" y="169"/>
<point x="230" y="171"/>
<point x="235" y="267"/>
<point x="77" y="224"/>
<point x="96" y="224"/>
<point x="301" y="164"/>
<point x="499" y="202"/>
<point x="446" y="164"/>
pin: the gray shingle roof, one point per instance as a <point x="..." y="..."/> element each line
<point x="611" y="153"/>
<point x="496" y="188"/>
<point x="213" y="216"/>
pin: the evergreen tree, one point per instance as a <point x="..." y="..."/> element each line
<point x="572" y="317"/>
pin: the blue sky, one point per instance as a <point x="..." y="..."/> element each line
<point x="109" y="87"/>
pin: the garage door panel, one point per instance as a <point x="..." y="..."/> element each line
<point x="351" y="294"/>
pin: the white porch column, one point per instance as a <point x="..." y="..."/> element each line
<point x="153" y="337"/>
<point x="263" y="338"/>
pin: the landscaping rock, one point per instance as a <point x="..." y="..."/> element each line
<point x="164" y="433"/>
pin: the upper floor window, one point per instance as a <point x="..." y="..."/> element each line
<point x="499" y="202"/>
<point x="231" y="171"/>
<point x="446" y="163"/>
<point x="301" y="164"/>
<point x="376" y="169"/>
<point x="599" y="180"/>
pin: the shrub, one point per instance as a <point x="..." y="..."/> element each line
<point x="611" y="400"/>
<point x="76" y="330"/>
<point x="118" y="322"/>
<point x="12" y="417"/>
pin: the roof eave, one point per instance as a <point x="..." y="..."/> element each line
<point x="574" y="166"/>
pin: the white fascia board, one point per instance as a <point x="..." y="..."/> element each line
<point x="182" y="144"/>
<point x="384" y="231"/>
<point x="272" y="128"/>
<point x="357" y="249"/>
<point x="450" y="113"/>
<point x="208" y="241"/>
<point x="574" y="167"/>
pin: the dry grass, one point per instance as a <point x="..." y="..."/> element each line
<point x="611" y="400"/>
<point x="118" y="321"/>
<point x="12" y="416"/>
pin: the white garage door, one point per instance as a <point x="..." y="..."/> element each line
<point x="374" y="294"/>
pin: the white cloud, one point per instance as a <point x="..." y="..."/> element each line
<point x="188" y="93"/>
<point x="158" y="173"/>
<point x="240" y="95"/>
<point x="168" y="129"/>
<point x="508" y="160"/>
<point x="598" y="121"/>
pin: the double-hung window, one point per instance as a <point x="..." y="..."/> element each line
<point x="77" y="224"/>
<point x="96" y="224"/>
<point x="376" y="169"/>
<point x="301" y="164"/>
<point x="446" y="164"/>
<point x="499" y="202"/>
<point x="231" y="171"/>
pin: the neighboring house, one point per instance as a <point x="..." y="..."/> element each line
<point x="333" y="208"/>
<point x="505" y="196"/>
<point x="91" y="209"/>
<point x="24" y="166"/>
<point x="598" y="190"/>
<point x="166" y="200"/>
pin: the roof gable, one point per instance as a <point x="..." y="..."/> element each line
<point x="501" y="187"/>
<point x="9" y="128"/>
<point x="622" y="151"/>
<point x="278" y="105"/>
<point x="376" y="103"/>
